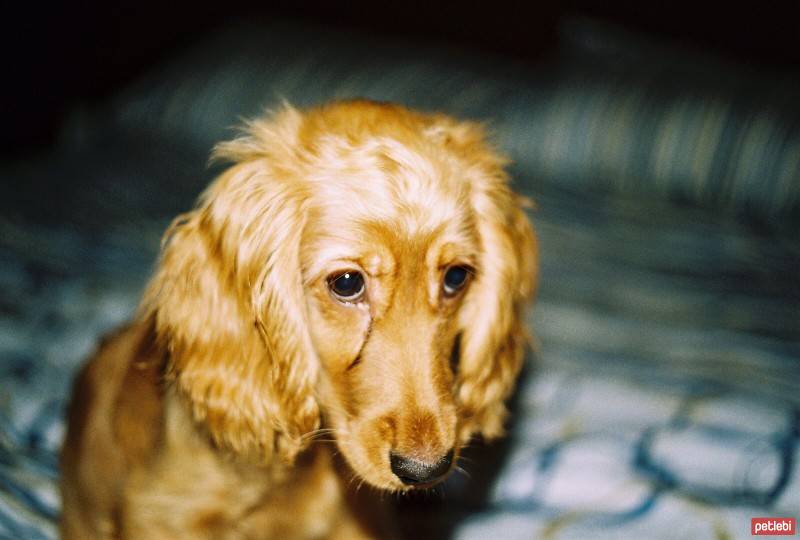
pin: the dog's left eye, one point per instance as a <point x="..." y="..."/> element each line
<point x="454" y="279"/>
<point x="348" y="286"/>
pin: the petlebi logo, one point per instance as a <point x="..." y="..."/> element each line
<point x="773" y="526"/>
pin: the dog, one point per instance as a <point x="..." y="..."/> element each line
<point x="344" y="306"/>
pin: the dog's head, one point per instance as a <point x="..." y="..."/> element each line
<point x="362" y="267"/>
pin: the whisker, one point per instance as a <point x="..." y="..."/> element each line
<point x="350" y="482"/>
<point x="318" y="432"/>
<point x="462" y="471"/>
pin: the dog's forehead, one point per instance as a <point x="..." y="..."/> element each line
<point x="378" y="219"/>
<point x="411" y="180"/>
<point x="386" y="198"/>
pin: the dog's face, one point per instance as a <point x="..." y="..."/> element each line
<point x="386" y="265"/>
<point x="386" y="283"/>
<point x="384" y="322"/>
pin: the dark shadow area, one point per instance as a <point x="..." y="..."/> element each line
<point x="67" y="54"/>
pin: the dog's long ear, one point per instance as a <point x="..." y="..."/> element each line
<point x="228" y="303"/>
<point x="494" y="333"/>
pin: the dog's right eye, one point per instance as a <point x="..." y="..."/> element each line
<point x="454" y="280"/>
<point x="347" y="287"/>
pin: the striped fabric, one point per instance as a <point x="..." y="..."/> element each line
<point x="600" y="117"/>
<point x="717" y="150"/>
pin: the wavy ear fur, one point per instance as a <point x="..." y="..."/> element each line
<point x="228" y="304"/>
<point x="494" y="333"/>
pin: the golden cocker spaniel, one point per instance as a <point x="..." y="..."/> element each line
<point x="343" y="306"/>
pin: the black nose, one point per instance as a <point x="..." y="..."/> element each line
<point x="413" y="472"/>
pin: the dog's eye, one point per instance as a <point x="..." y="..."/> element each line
<point x="454" y="279"/>
<point x="348" y="286"/>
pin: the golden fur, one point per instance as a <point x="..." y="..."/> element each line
<point x="212" y="415"/>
